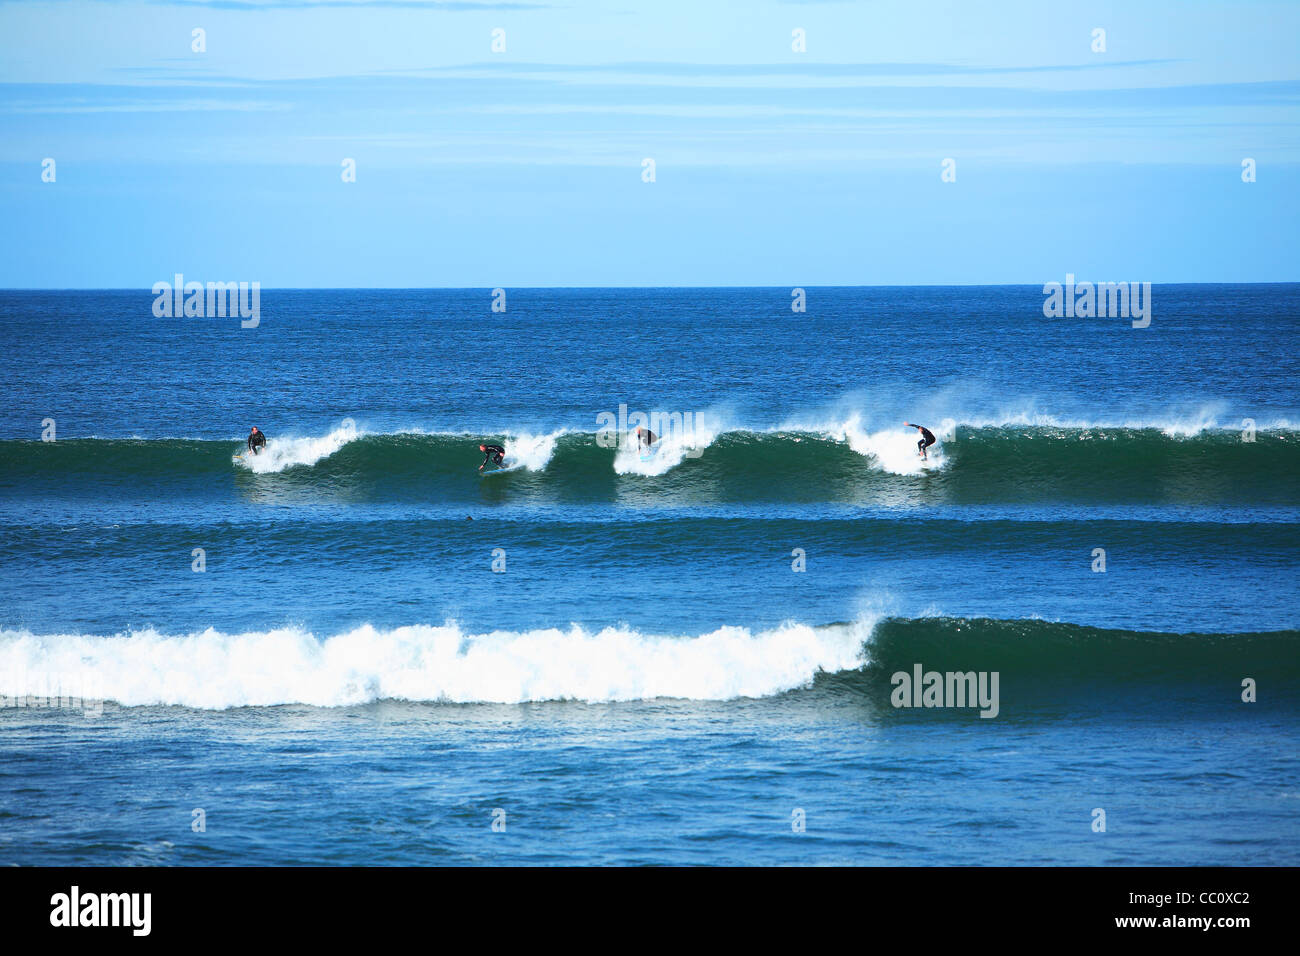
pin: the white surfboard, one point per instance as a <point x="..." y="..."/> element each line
<point x="501" y="470"/>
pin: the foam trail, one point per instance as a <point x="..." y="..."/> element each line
<point x="212" y="670"/>
<point x="282" y="453"/>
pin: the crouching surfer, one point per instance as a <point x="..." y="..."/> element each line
<point x="492" y="453"/>
<point x="256" y="440"/>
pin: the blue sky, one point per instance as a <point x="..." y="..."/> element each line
<point x="524" y="168"/>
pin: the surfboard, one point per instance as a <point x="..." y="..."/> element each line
<point x="500" y="470"/>
<point x="240" y="458"/>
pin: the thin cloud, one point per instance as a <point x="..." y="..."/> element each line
<point x="151" y="106"/>
<point x="252" y="6"/>
<point x="791" y="69"/>
<point x="257" y="5"/>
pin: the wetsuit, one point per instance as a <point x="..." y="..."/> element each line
<point x="645" y="438"/>
<point x="256" y="442"/>
<point x="495" y="454"/>
<point x="927" y="438"/>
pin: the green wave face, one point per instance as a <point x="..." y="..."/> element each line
<point x="975" y="465"/>
<point x="1070" y="669"/>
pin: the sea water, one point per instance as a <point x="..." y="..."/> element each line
<point x="352" y="648"/>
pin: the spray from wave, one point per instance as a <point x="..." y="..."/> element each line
<point x="1177" y="424"/>
<point x="531" y="452"/>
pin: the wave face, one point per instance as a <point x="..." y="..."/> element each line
<point x="838" y="462"/>
<point x="1065" y="653"/>
<point x="444" y="664"/>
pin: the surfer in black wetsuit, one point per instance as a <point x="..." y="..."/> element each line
<point x="927" y="438"/>
<point x="492" y="453"/>
<point x="256" y="441"/>
<point x="644" y="437"/>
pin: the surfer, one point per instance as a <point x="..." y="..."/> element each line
<point x="927" y="438"/>
<point x="644" y="438"/>
<point x="492" y="453"/>
<point x="256" y="441"/>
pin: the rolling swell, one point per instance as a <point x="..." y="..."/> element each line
<point x="972" y="464"/>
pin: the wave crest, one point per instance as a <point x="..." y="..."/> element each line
<point x="282" y="453"/>
<point x="213" y="670"/>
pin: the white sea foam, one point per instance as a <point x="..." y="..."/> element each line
<point x="669" y="450"/>
<point x="281" y="453"/>
<point x="893" y="450"/>
<point x="532" y="452"/>
<point x="212" y="670"/>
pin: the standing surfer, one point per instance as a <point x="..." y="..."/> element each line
<point x="927" y="438"/>
<point x="644" y="438"/>
<point x="256" y="441"/>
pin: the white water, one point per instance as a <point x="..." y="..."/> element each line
<point x="212" y="670"/>
<point x="532" y="452"/>
<point x="282" y="453"/>
<point x="668" y="451"/>
<point x="893" y="450"/>
<point x="891" y="447"/>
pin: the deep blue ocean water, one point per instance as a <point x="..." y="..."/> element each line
<point x="353" y="648"/>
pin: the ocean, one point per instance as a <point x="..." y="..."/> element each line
<point x="354" y="648"/>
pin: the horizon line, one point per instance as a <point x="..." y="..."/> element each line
<point x="449" y="288"/>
